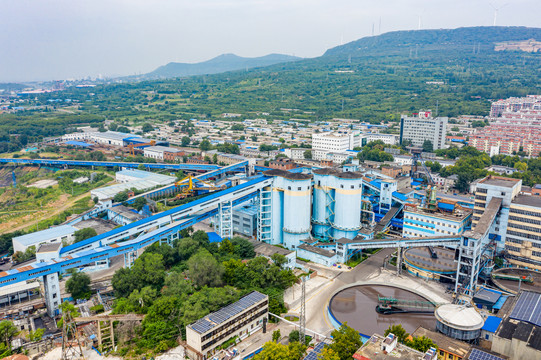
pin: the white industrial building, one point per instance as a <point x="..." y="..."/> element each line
<point x="55" y="234"/>
<point x="157" y="152"/>
<point x="336" y="142"/>
<point x="423" y="127"/>
<point x="113" y="138"/>
<point x="132" y="179"/>
<point x="389" y="139"/>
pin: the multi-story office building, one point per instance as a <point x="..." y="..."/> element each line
<point x="241" y="319"/>
<point x="324" y="143"/>
<point x="422" y="127"/>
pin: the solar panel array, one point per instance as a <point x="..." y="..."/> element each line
<point x="528" y="308"/>
<point x="216" y="318"/>
<point x="315" y="353"/>
<point x="477" y="354"/>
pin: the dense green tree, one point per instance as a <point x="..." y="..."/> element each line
<point x="276" y="335"/>
<point x="421" y="343"/>
<point x="308" y="154"/>
<point x="121" y="196"/>
<point x="83" y="234"/>
<point x="204" y="269"/>
<point x="78" y="285"/>
<point x="185" y="141"/>
<point x="346" y="341"/>
<point x="398" y="331"/>
<point x="205" y="145"/>
<point x="7" y="332"/>
<point x="428" y="146"/>
<point x="147" y="128"/>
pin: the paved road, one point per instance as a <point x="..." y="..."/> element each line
<point x="316" y="302"/>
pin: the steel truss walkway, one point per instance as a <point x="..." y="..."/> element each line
<point x="55" y="162"/>
<point x="164" y="225"/>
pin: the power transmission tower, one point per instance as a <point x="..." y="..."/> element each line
<point x="71" y="345"/>
<point x="302" y="320"/>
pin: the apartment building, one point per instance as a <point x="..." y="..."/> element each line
<point x="324" y="143"/>
<point x="241" y="319"/>
<point x="514" y="104"/>
<point x="422" y="127"/>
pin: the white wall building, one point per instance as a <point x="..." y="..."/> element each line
<point x="324" y="143"/>
<point x="111" y="138"/>
<point x="389" y="139"/>
<point x="423" y="127"/>
<point x="55" y="234"/>
<point x="157" y="152"/>
<point x="295" y="153"/>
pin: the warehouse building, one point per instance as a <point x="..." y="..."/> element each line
<point x="113" y="138"/>
<point x="241" y="319"/>
<point x="55" y="234"/>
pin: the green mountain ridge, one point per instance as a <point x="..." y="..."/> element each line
<point x="219" y="64"/>
<point x="443" y="39"/>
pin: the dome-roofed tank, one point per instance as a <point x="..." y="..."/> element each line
<point x="459" y="321"/>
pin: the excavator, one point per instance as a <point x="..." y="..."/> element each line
<point x="189" y="186"/>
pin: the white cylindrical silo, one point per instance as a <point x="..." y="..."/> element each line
<point x="347" y="205"/>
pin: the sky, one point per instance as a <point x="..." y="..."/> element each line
<point x="72" y="39"/>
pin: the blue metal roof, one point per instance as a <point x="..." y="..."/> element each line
<point x="78" y="143"/>
<point x="44" y="235"/>
<point x="498" y="305"/>
<point x="492" y="323"/>
<point x="213" y="237"/>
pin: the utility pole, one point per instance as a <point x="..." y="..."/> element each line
<point x="302" y="320"/>
<point x="71" y="344"/>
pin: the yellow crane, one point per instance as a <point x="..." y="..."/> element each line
<point x="189" y="186"/>
<point x="132" y="147"/>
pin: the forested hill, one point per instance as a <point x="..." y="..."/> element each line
<point x="466" y="38"/>
<point x="219" y="64"/>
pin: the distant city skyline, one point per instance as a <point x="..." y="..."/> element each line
<point x="62" y="39"/>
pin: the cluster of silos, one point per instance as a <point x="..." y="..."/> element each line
<point x="337" y="204"/>
<point x="291" y="207"/>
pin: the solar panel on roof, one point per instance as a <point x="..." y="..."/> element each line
<point x="528" y="308"/>
<point x="314" y="354"/>
<point x="477" y="354"/>
<point x="216" y="318"/>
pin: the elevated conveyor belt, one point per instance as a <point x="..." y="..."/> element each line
<point x="452" y="241"/>
<point x="171" y="188"/>
<point x="55" y="162"/>
<point x="168" y="216"/>
<point x="398" y="197"/>
<point x="486" y="220"/>
<point x="383" y="223"/>
<point x="164" y="224"/>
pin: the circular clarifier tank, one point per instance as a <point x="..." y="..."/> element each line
<point x="356" y="305"/>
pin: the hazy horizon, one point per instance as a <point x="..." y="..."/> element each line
<point x="61" y="39"/>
